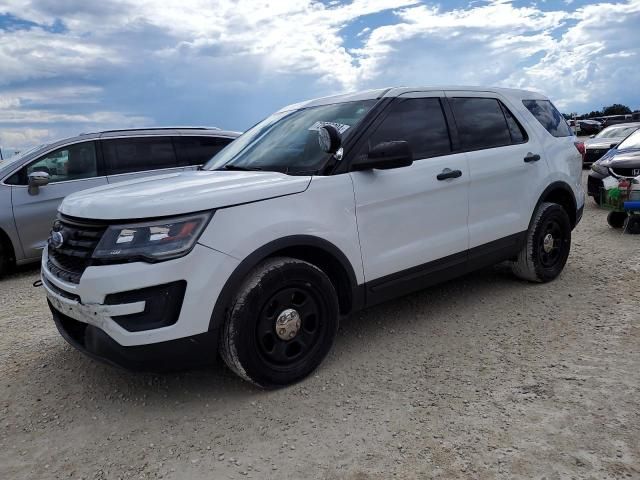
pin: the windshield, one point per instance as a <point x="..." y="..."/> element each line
<point x="613" y="132"/>
<point x="288" y="141"/>
<point x="22" y="154"/>
<point x="632" y="141"/>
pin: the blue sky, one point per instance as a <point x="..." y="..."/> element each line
<point x="76" y="66"/>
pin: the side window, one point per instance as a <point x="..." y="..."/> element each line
<point x="73" y="162"/>
<point x="481" y="123"/>
<point x="420" y="122"/>
<point x="198" y="150"/>
<point x="127" y="155"/>
<point x="549" y="117"/>
<point x="518" y="135"/>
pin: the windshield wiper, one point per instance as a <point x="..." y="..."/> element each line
<point x="240" y="168"/>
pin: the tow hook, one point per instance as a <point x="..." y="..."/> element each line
<point x="37" y="283"/>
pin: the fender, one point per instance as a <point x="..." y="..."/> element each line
<point x="235" y="280"/>
<point x="568" y="201"/>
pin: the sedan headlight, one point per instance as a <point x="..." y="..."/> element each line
<point x="151" y="241"/>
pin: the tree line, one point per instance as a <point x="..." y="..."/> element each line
<point x="615" y="109"/>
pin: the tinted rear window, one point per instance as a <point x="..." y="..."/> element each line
<point x="198" y="150"/>
<point x="481" y="123"/>
<point x="418" y="121"/>
<point x="549" y="117"/>
<point x="127" y="155"/>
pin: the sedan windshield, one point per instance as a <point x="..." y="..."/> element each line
<point x="632" y="141"/>
<point x="288" y="141"/>
<point x="613" y="132"/>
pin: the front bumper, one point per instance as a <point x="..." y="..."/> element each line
<point x="99" y="304"/>
<point x="167" y="356"/>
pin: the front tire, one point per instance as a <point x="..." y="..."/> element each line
<point x="4" y="260"/>
<point x="546" y="250"/>
<point x="282" y="323"/>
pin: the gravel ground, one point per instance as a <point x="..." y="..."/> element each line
<point x="482" y="377"/>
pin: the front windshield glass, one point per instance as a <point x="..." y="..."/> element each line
<point x="22" y="154"/>
<point x="632" y="141"/>
<point x="288" y="141"/>
<point x="613" y="132"/>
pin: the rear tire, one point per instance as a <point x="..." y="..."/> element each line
<point x="282" y="323"/>
<point x="616" y="219"/>
<point x="546" y="250"/>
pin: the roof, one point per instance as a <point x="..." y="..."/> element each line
<point x="625" y="124"/>
<point x="397" y="91"/>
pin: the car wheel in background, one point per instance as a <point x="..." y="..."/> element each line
<point x="547" y="247"/>
<point x="632" y="224"/>
<point x="616" y="219"/>
<point x="4" y="259"/>
<point x="282" y="323"/>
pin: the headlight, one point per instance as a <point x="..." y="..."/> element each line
<point x="152" y="241"/>
<point x="599" y="168"/>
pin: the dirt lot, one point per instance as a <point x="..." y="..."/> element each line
<point x="483" y="377"/>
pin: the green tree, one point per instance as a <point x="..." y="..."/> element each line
<point x="616" y="109"/>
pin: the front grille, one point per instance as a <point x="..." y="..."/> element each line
<point x="593" y="154"/>
<point x="69" y="261"/>
<point x="627" y="172"/>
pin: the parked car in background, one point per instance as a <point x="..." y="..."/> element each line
<point x="621" y="161"/>
<point x="322" y="209"/>
<point x="616" y="119"/>
<point x="33" y="184"/>
<point x="589" y="127"/>
<point x="608" y="138"/>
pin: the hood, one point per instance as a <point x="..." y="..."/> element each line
<point x="602" y="142"/>
<point x="175" y="194"/>
<point x="622" y="158"/>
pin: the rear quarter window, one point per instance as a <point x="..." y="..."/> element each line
<point x="549" y="117"/>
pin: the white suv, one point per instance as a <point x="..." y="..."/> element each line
<point x="322" y="209"/>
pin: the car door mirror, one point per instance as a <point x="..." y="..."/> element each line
<point x="386" y="155"/>
<point x="36" y="180"/>
<point x="329" y="139"/>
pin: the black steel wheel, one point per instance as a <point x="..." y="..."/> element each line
<point x="546" y="250"/>
<point x="282" y="324"/>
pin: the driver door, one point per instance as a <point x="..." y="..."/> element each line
<point x="412" y="225"/>
<point x="71" y="169"/>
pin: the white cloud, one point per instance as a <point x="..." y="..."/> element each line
<point x="119" y="62"/>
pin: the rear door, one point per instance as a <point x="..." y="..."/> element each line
<point x="412" y="224"/>
<point x="506" y="168"/>
<point x="129" y="158"/>
<point x="71" y="169"/>
<point x="194" y="151"/>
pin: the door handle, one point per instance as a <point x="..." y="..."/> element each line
<point x="448" y="173"/>
<point x="531" y="157"/>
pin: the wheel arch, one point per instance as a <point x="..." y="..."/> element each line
<point x="317" y="251"/>
<point x="562" y="194"/>
<point x="6" y="242"/>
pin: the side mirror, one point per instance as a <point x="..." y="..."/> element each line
<point x="329" y="139"/>
<point x="592" y="136"/>
<point x="386" y="155"/>
<point x="37" y="180"/>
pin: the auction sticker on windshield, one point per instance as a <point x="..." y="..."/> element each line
<point x="340" y="126"/>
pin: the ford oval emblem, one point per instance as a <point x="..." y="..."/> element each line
<point x="57" y="239"/>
